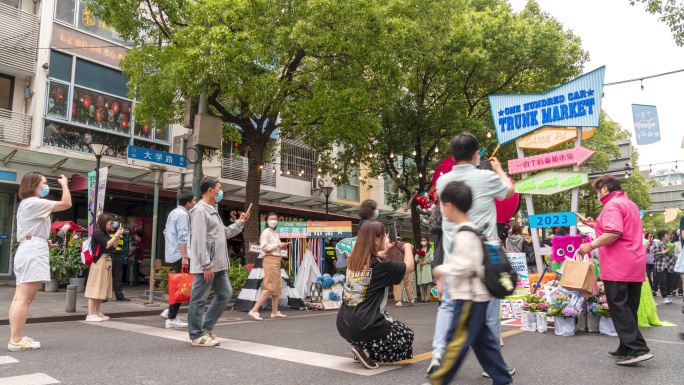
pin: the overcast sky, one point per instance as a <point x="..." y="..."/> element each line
<point x="631" y="43"/>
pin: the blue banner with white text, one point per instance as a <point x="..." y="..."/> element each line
<point x="646" y="124"/>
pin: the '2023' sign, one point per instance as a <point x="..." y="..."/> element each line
<point x="541" y="221"/>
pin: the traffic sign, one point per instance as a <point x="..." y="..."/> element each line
<point x="141" y="156"/>
<point x="551" y="182"/>
<point x="549" y="138"/>
<point x="541" y="221"/>
<point x="572" y="157"/>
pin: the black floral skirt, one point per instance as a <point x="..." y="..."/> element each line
<point x="396" y="346"/>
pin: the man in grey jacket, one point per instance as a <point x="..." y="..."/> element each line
<point x="209" y="262"/>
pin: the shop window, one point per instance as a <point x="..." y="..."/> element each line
<point x="147" y="132"/>
<point x="100" y="78"/>
<point x="101" y="110"/>
<point x="64" y="11"/>
<point x="151" y="146"/>
<point x="58" y="100"/>
<point x="6" y="91"/>
<point x="89" y="23"/>
<point x="60" y="66"/>
<point x="62" y="135"/>
<point x="350" y="191"/>
<point x="12" y="3"/>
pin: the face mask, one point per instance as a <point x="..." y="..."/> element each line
<point x="376" y="214"/>
<point x="219" y="197"/>
<point x="272" y="223"/>
<point x="599" y="198"/>
<point x="115" y="224"/>
<point x="44" y="191"/>
<point x="424" y="243"/>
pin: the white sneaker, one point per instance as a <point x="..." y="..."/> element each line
<point x="398" y="304"/>
<point x="175" y="324"/>
<point x="103" y="317"/>
<point x="26" y="343"/>
<point x="93" y="318"/>
<point x="667" y="301"/>
<point x="165" y="314"/>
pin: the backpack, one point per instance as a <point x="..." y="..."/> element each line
<point x="500" y="278"/>
<point x="87" y="255"/>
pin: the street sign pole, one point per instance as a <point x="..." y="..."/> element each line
<point x="574" y="203"/>
<point x="155" y="217"/>
<point x="529" y="203"/>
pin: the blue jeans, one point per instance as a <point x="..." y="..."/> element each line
<point x="494" y="318"/>
<point x="200" y="291"/>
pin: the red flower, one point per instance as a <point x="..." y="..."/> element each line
<point x="421" y="253"/>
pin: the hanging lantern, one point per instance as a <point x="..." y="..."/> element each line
<point x="99" y="115"/>
<point x="124" y="121"/>
<point x="114" y="107"/>
<point x="58" y="93"/>
<point x="99" y="101"/>
<point x="125" y="107"/>
<point x="73" y="110"/>
<point x="87" y="101"/>
<point x="146" y="129"/>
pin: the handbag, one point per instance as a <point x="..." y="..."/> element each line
<point x="180" y="286"/>
<point x="579" y="274"/>
<point x="679" y="267"/>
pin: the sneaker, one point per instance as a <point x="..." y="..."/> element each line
<point x="655" y="294"/>
<point x="631" y="360"/>
<point x="211" y="335"/>
<point x="205" y="341"/>
<point x="680" y="295"/>
<point x="25" y="343"/>
<point x="435" y="364"/>
<point x="175" y="324"/>
<point x="667" y="301"/>
<point x="123" y="299"/>
<point x="615" y="354"/>
<point x="165" y="314"/>
<point x="398" y="304"/>
<point x="278" y="315"/>
<point x="364" y="359"/>
<point x="93" y="318"/>
<point x="255" y="316"/>
<point x="509" y="368"/>
<point x="103" y="317"/>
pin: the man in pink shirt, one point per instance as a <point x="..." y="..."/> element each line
<point x="622" y="259"/>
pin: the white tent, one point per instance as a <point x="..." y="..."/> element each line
<point x="308" y="273"/>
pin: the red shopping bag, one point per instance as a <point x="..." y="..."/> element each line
<point x="180" y="287"/>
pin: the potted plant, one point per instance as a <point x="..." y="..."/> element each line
<point x="564" y="315"/>
<point x="532" y="304"/>
<point x="606" y="326"/>
<point x="58" y="270"/>
<point x="72" y="255"/>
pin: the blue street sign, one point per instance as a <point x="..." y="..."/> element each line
<point x="4" y="237"/>
<point x="552" y="220"/>
<point x="646" y="124"/>
<point x="141" y="154"/>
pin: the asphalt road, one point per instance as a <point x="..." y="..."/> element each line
<point x="306" y="349"/>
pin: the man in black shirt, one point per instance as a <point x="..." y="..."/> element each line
<point x="117" y="262"/>
<point x="330" y="258"/>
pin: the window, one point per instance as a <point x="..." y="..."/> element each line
<point x="12" y="3"/>
<point x="65" y="10"/>
<point x="6" y="91"/>
<point x="350" y="191"/>
<point x="101" y="110"/>
<point x="87" y="22"/>
<point x="390" y="190"/>
<point x="298" y="161"/>
<point x="100" y="78"/>
<point x="58" y="100"/>
<point x="60" y="66"/>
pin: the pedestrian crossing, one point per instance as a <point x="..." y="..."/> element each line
<point x="27" y="379"/>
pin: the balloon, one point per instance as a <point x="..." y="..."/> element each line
<point x="506" y="208"/>
<point x="87" y="101"/>
<point x="99" y="101"/>
<point x="114" y="107"/>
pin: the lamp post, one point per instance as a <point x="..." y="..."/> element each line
<point x="327" y="190"/>
<point x="98" y="149"/>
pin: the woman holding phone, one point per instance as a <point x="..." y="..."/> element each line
<point x="272" y="285"/>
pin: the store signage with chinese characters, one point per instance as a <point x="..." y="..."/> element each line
<point x="88" y="22"/>
<point x="141" y="156"/>
<point x="90" y="47"/>
<point x="572" y="157"/>
<point x="338" y="229"/>
<point x="289" y="229"/>
<point x="576" y="103"/>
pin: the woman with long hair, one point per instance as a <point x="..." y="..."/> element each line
<point x="32" y="259"/>
<point x="272" y="285"/>
<point x="424" y="269"/>
<point x="99" y="286"/>
<point x="373" y="334"/>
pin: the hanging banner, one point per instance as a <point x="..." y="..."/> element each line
<point x="671" y="215"/>
<point x="646" y="124"/>
<point x="336" y="229"/>
<point x="576" y="103"/>
<point x="571" y="157"/>
<point x="101" y="189"/>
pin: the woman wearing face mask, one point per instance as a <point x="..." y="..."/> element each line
<point x="32" y="259"/>
<point x="272" y="285"/>
<point x="424" y="269"/>
<point x="368" y="211"/>
<point x="99" y="286"/>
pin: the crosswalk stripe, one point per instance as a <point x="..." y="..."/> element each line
<point x="319" y="360"/>
<point x="7" y="360"/>
<point x="29" y="379"/>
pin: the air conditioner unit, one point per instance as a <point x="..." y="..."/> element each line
<point x="316" y="184"/>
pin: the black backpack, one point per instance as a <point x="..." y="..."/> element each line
<point x="500" y="278"/>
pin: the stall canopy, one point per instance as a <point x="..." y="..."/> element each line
<point x="55" y="226"/>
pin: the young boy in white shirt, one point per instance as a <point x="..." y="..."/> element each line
<point x="463" y="270"/>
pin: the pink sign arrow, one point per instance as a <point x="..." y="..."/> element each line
<point x="572" y="157"/>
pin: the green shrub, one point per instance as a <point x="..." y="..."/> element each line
<point x="163" y="283"/>
<point x="72" y="257"/>
<point x="238" y="276"/>
<point x="58" y="265"/>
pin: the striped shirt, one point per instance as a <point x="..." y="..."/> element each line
<point x="486" y="186"/>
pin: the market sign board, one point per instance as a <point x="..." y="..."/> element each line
<point x="548" y="138"/>
<point x="335" y="229"/>
<point x="542" y="221"/>
<point x="576" y="103"/>
<point x="571" y="157"/>
<point x="289" y="229"/>
<point x="551" y="182"/>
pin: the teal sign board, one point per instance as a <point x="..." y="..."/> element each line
<point x="541" y="221"/>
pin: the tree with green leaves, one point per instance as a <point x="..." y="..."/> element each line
<point x="671" y="12"/>
<point x="262" y="65"/>
<point x="452" y="55"/>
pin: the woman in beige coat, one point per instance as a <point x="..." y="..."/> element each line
<point x="272" y="285"/>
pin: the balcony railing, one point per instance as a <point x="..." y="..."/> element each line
<point x="236" y="169"/>
<point x="15" y="127"/>
<point x="19" y="37"/>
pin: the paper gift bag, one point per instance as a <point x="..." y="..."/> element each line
<point x="180" y="287"/>
<point x="579" y="274"/>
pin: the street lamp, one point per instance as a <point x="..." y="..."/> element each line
<point x="98" y="149"/>
<point x="327" y="190"/>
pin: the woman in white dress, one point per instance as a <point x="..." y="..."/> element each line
<point x="32" y="259"/>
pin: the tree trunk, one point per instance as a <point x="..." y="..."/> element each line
<point x="252" y="194"/>
<point x="415" y="223"/>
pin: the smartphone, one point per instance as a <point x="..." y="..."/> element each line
<point x="580" y="216"/>
<point x="393" y="232"/>
<point x="485" y="164"/>
<point x="249" y="208"/>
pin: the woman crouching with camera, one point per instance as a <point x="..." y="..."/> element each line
<point x="374" y="335"/>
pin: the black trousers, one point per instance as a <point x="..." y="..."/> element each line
<point x="623" y="301"/>
<point x="174" y="307"/>
<point x="668" y="282"/>
<point x="137" y="272"/>
<point x="117" y="276"/>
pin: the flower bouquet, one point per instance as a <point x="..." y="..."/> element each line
<point x="602" y="310"/>
<point x="331" y="285"/>
<point x="532" y="305"/>
<point x="564" y="315"/>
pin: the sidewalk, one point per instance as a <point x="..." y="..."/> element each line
<point x="49" y="307"/>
